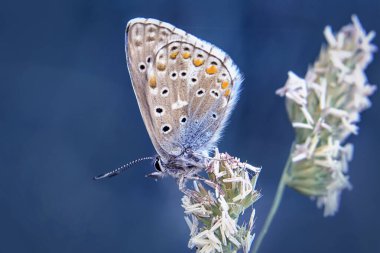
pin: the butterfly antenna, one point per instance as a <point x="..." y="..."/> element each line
<point x="121" y="169"/>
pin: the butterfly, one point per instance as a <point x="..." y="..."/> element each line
<point x="186" y="89"/>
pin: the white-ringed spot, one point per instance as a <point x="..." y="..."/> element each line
<point x="159" y="111"/>
<point x="165" y="92"/>
<point x="166" y="128"/>
<point x="214" y="93"/>
<point x="183" y="74"/>
<point x="142" y="67"/>
<point x="200" y="92"/>
<point x="192" y="81"/>
<point x="173" y="75"/>
<point x="182" y="119"/>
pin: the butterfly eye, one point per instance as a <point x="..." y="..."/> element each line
<point x="200" y="92"/>
<point x="142" y="67"/>
<point x="157" y="165"/>
<point x="166" y="129"/>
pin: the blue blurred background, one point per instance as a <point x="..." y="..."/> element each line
<point x="68" y="112"/>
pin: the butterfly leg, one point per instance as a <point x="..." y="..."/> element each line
<point x="155" y="175"/>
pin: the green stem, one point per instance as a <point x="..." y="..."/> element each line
<point x="276" y="203"/>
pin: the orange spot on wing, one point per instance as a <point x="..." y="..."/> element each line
<point x="152" y="82"/>
<point x="198" y="62"/>
<point x="186" y="55"/>
<point x="224" y="85"/>
<point x="161" y="66"/>
<point x="173" y="55"/>
<point x="212" y="70"/>
<point x="227" y="93"/>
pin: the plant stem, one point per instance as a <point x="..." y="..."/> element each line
<point x="276" y="203"/>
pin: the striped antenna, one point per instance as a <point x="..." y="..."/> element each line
<point x="121" y="169"/>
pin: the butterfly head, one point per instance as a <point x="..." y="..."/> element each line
<point x="157" y="164"/>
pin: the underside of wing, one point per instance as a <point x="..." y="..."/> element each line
<point x="195" y="88"/>
<point x="185" y="87"/>
<point x="142" y="37"/>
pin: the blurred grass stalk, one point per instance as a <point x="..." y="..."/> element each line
<point x="324" y="108"/>
<point x="214" y="205"/>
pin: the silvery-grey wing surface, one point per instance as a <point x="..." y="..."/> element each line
<point x="185" y="87"/>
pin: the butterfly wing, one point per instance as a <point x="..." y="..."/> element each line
<point x="197" y="86"/>
<point x="142" y="37"/>
<point x="185" y="92"/>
